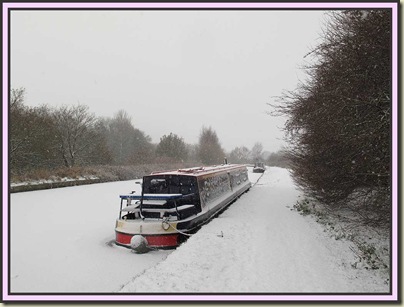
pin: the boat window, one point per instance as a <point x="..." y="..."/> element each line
<point x="170" y="184"/>
<point x="214" y="187"/>
<point x="158" y="186"/>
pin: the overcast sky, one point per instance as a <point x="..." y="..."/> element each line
<point x="172" y="71"/>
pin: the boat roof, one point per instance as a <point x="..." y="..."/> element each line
<point x="151" y="196"/>
<point x="201" y="170"/>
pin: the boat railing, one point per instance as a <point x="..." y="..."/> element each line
<point x="153" y="203"/>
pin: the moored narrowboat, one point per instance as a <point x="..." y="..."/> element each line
<point x="174" y="204"/>
<point x="259" y="167"/>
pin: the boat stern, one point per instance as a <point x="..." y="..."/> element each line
<point x="158" y="234"/>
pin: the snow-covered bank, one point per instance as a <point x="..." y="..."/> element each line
<point x="53" y="183"/>
<point x="41" y="179"/>
<point x="260" y="245"/>
<point x="59" y="243"/>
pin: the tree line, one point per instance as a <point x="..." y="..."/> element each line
<point x="68" y="136"/>
<point x="339" y="120"/>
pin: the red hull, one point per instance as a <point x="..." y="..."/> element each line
<point x="160" y="241"/>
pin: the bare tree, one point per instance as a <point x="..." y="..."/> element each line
<point x="31" y="135"/>
<point x="256" y="152"/>
<point x="19" y="132"/>
<point x="75" y="132"/>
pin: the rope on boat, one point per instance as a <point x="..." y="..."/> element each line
<point x="258" y="180"/>
<point x="179" y="231"/>
<point x="186" y="234"/>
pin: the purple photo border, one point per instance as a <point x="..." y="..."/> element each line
<point x="393" y="296"/>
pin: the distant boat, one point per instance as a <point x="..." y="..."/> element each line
<point x="174" y="204"/>
<point x="259" y="167"/>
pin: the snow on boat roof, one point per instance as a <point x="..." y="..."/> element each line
<point x="201" y="170"/>
<point x="151" y="196"/>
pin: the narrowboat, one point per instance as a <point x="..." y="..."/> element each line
<point x="174" y="204"/>
<point x="259" y="167"/>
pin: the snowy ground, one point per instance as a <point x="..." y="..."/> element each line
<point x="59" y="243"/>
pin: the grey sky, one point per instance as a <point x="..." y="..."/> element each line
<point x="172" y="71"/>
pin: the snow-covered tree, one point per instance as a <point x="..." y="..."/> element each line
<point x="278" y="159"/>
<point x="339" y="120"/>
<point x="172" y="147"/>
<point x="239" y="155"/>
<point x="193" y="153"/>
<point x="210" y="150"/>
<point x="256" y="152"/>
<point x="127" y="144"/>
